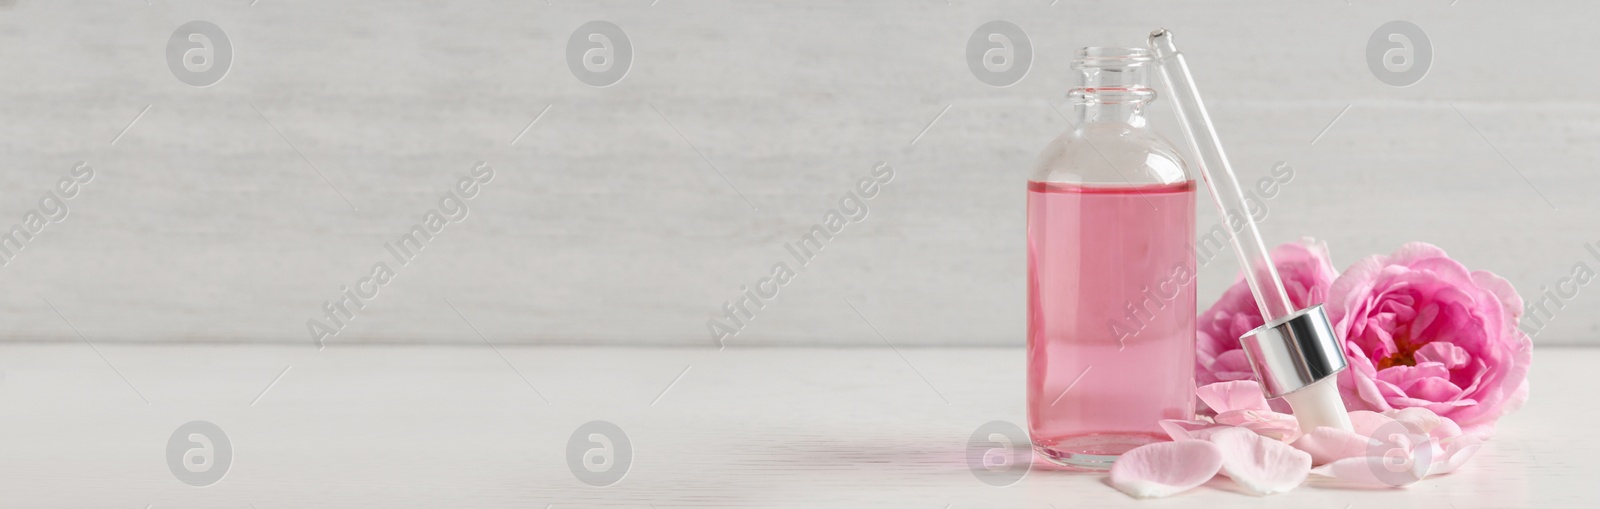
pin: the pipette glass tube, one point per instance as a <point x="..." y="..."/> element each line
<point x="1213" y="161"/>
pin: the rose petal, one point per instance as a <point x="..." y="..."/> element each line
<point x="1274" y="425"/>
<point x="1480" y="432"/>
<point x="1451" y="356"/>
<point x="1423" y="421"/>
<point x="1165" y="468"/>
<point x="1518" y="397"/>
<point x="1510" y="301"/>
<point x="1455" y="453"/>
<point x="1238" y="395"/>
<point x="1393" y="462"/>
<point x="1189" y="430"/>
<point x="1403" y="376"/>
<point x="1360" y="472"/>
<point x="1432" y="389"/>
<point x="1445" y="429"/>
<point x="1280" y="406"/>
<point x="1327" y="445"/>
<point x="1239" y="417"/>
<point x="1260" y="465"/>
<point x="1366" y="422"/>
<point x="1276" y="431"/>
<point x="1413" y="252"/>
<point x="1424" y="318"/>
<point x="1438" y="407"/>
<point x="1358" y="385"/>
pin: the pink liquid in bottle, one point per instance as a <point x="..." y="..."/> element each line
<point x="1111" y="317"/>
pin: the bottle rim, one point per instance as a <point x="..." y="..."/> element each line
<point x="1111" y="57"/>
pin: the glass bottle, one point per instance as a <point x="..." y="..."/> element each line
<point x="1111" y="273"/>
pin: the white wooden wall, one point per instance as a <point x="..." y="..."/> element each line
<point x="604" y="224"/>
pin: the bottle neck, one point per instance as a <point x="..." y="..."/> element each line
<point x="1130" y="114"/>
<point x="1111" y="105"/>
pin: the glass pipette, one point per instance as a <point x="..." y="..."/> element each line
<point x="1296" y="353"/>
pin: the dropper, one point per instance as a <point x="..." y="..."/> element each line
<point x="1296" y="354"/>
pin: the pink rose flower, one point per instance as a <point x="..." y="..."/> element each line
<point x="1421" y="331"/>
<point x="1306" y="273"/>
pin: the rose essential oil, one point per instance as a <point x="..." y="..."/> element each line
<point x="1111" y="271"/>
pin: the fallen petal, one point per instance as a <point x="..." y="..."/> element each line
<point x="1392" y="460"/>
<point x="1365" y="472"/>
<point x="1327" y="445"/>
<point x="1235" y="395"/>
<point x="1278" y="426"/>
<point x="1275" y="430"/>
<point x="1165" y="468"/>
<point x="1424" y="421"/>
<point x="1366" y="422"/>
<point x="1189" y="430"/>
<point x="1456" y="453"/>
<point x="1261" y="465"/>
<point x="1357" y="471"/>
<point x="1237" y="417"/>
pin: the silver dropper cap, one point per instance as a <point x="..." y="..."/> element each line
<point x="1294" y="351"/>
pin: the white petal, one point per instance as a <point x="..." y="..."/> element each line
<point x="1455" y="453"/>
<point x="1391" y="461"/>
<point x="1365" y="472"/>
<point x="1261" y="465"/>
<point x="1327" y="445"/>
<point x="1165" y="468"/>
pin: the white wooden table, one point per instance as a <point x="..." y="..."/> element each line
<point x="399" y="426"/>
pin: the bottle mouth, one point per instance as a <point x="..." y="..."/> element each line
<point x="1112" y="75"/>
<point x="1107" y="57"/>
